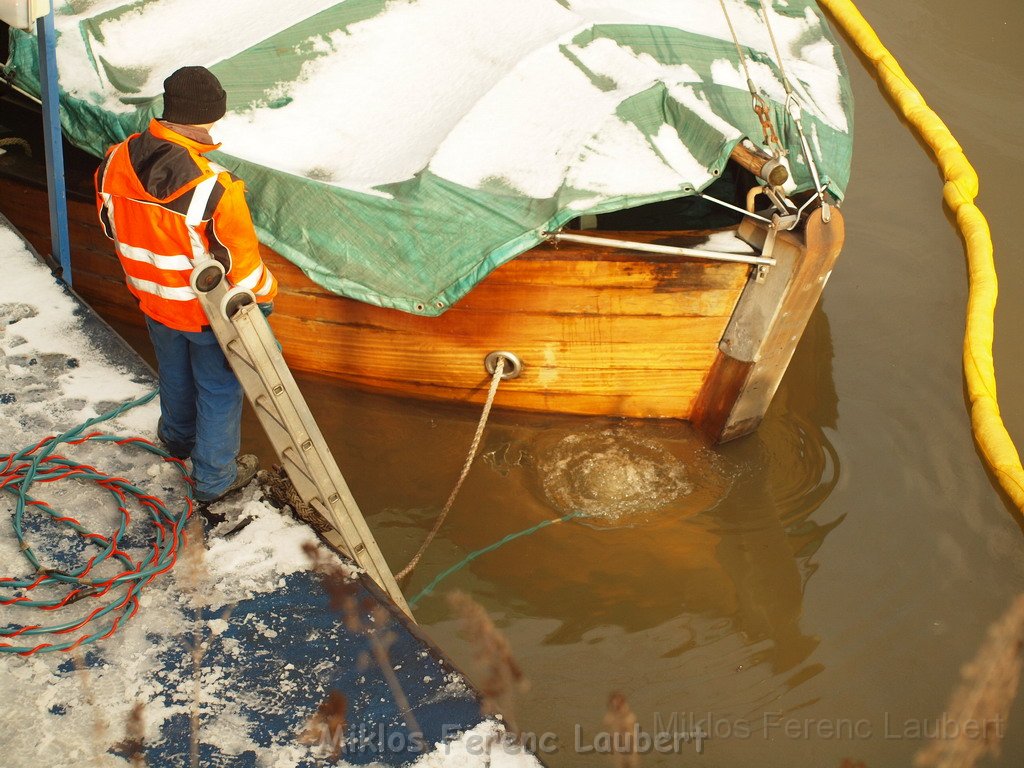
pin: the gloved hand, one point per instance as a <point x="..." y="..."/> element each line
<point x="266" y="307"/>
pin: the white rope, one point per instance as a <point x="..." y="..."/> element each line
<point x="794" y="109"/>
<point x="499" y="369"/>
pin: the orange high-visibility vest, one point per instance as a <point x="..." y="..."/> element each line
<point x="166" y="207"/>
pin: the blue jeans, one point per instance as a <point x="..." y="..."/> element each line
<point x="200" y="405"/>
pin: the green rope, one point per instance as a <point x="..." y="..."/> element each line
<point x="40" y="463"/>
<point x="429" y="589"/>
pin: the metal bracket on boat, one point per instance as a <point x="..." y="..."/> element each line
<point x="778" y="224"/>
<point x="761" y="271"/>
<point x="826" y="208"/>
<point x="513" y="365"/>
<point x="782" y="204"/>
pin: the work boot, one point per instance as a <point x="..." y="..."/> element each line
<point x="248" y="465"/>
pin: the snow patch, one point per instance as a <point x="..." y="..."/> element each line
<point x="483" y="97"/>
<point x="62" y="714"/>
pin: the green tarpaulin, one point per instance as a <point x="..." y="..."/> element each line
<point x="398" y="151"/>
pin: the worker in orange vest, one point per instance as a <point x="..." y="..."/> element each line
<point x="166" y="207"/>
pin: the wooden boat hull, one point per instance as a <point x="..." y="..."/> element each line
<point x="599" y="331"/>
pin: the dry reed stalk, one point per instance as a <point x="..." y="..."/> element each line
<point x="99" y="726"/>
<point x="972" y="725"/>
<point x="502" y="677"/>
<point x="342" y="594"/>
<point x="193" y="567"/>
<point x="134" y="744"/>
<point x="621" y="724"/>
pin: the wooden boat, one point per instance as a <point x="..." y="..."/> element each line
<point x="597" y="329"/>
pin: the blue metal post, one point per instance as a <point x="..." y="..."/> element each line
<point x="55" y="186"/>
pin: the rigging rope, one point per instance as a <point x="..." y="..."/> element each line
<point x="760" y="106"/>
<point x="959" y="191"/>
<point x="499" y="370"/>
<point x="794" y="109"/>
<point x="40" y="463"/>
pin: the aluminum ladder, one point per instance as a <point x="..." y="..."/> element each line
<point x="255" y="357"/>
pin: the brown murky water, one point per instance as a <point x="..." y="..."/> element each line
<point x="807" y="594"/>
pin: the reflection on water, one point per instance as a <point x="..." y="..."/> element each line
<point x="691" y="563"/>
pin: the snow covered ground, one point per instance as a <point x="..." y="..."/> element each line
<point x="269" y="648"/>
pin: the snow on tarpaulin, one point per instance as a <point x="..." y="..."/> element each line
<point x="399" y="150"/>
<point x="273" y="650"/>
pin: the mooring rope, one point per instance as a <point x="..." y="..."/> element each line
<point x="499" y="370"/>
<point x="959" y="191"/>
<point x="40" y="463"/>
<point x="15" y="141"/>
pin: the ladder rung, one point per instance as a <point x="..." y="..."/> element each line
<point x="261" y="402"/>
<point x="231" y="345"/>
<point x="286" y="454"/>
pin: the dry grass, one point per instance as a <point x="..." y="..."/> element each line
<point x="342" y="593"/>
<point x="196" y="575"/>
<point x="501" y="677"/>
<point x="621" y="724"/>
<point x="134" y="744"/>
<point x="980" y="706"/>
<point x="327" y="726"/>
<point x="100" y="726"/>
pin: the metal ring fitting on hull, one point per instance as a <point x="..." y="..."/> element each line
<point x="513" y="365"/>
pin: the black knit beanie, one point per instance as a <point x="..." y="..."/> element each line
<point x="194" y="96"/>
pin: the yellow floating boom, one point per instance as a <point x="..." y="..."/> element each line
<point x="959" y="191"/>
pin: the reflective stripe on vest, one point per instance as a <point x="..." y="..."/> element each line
<point x="180" y="263"/>
<point x="183" y="293"/>
<point x="194" y="216"/>
<point x="253" y="279"/>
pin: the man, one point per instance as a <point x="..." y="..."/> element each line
<point x="166" y="207"/>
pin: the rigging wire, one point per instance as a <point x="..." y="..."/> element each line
<point x="758" y="103"/>
<point x="795" y="110"/>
